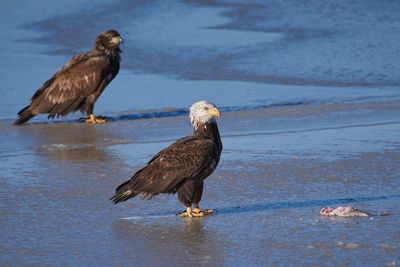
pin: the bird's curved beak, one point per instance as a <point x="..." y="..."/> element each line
<point x="117" y="40"/>
<point x="214" y="112"/>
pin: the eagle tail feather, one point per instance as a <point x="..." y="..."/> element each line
<point x="24" y="115"/>
<point x="123" y="193"/>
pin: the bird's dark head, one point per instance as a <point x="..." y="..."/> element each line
<point x="202" y="113"/>
<point x="109" y="41"/>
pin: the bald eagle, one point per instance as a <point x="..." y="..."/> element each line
<point x="182" y="166"/>
<point x="79" y="83"/>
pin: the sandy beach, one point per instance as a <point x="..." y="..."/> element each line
<point x="306" y="123"/>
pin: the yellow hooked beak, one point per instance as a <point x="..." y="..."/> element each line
<point x="214" y="112"/>
<point x="116" y="40"/>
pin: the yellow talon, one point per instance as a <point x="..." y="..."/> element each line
<point x="187" y="213"/>
<point x="92" y="119"/>
<point x="196" y="212"/>
<point x="204" y="212"/>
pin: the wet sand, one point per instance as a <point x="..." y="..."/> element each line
<point x="310" y="118"/>
<point x="267" y="191"/>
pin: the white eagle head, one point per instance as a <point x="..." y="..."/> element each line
<point x="202" y="113"/>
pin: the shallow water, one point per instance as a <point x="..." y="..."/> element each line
<point x="310" y="100"/>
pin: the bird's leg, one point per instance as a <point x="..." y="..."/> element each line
<point x="197" y="210"/>
<point x="92" y="119"/>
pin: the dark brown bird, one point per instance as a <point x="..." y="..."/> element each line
<point x="182" y="166"/>
<point x="79" y="83"/>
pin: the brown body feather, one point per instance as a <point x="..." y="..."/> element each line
<point x="78" y="84"/>
<point x="181" y="167"/>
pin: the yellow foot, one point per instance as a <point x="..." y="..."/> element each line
<point x="195" y="212"/>
<point x="92" y="119"/>
<point x="205" y="212"/>
<point x="190" y="214"/>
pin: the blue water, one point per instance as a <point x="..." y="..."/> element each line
<point x="213" y="51"/>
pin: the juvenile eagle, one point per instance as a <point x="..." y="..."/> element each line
<point x="182" y="166"/>
<point x="79" y="83"/>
